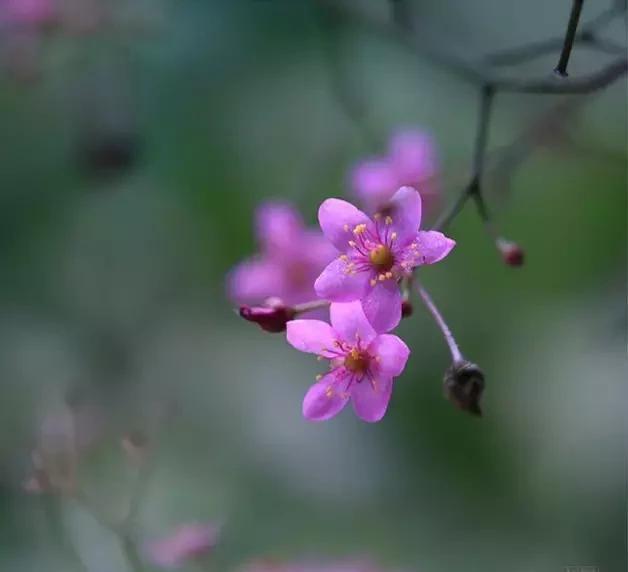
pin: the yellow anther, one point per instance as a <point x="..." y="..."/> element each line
<point x="359" y="228"/>
<point x="388" y="220"/>
<point x="352" y="244"/>
<point x="346" y="227"/>
<point x="388" y="275"/>
<point x="377" y="216"/>
<point x="382" y="277"/>
<point x="393" y="236"/>
<point x="373" y="281"/>
<point x="319" y="377"/>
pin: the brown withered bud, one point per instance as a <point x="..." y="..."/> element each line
<point x="463" y="385"/>
<point x="406" y="309"/>
<point x="270" y="319"/>
<point x="512" y="253"/>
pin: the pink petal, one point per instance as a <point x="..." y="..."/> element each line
<point x="350" y="323"/>
<point x="317" y="250"/>
<point x="370" y="399"/>
<point x="311" y="336"/>
<point x="374" y="182"/>
<point x="413" y="157"/>
<point x="337" y="285"/>
<point x="405" y="211"/>
<point x="254" y="280"/>
<point x="433" y="246"/>
<point x="324" y="399"/>
<point x="392" y="353"/>
<point x="185" y="543"/>
<point x="279" y="227"/>
<point x="382" y="306"/>
<point x="338" y="218"/>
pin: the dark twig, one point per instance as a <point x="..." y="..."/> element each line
<point x="474" y="73"/>
<point x="586" y="36"/>
<point x="570" y="36"/>
<point x="584" y="84"/>
<point x="474" y="187"/>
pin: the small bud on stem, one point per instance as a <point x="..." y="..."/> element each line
<point x="463" y="385"/>
<point x="274" y="316"/>
<point x="512" y="253"/>
<point x="406" y="309"/>
<point x="272" y="320"/>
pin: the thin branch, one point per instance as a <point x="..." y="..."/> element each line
<point x="533" y="50"/>
<point x="587" y="35"/>
<point x="570" y="36"/>
<point x="584" y="84"/>
<point x="478" y="74"/>
<point x="474" y="186"/>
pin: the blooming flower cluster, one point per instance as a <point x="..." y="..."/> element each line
<point x="356" y="266"/>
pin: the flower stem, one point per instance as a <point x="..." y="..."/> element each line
<point x="309" y="306"/>
<point x="456" y="356"/>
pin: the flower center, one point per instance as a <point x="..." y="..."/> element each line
<point x="356" y="361"/>
<point x="382" y="258"/>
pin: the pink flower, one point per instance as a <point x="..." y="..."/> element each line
<point x="187" y="542"/>
<point x="291" y="258"/>
<point x="411" y="161"/>
<point x="363" y="363"/>
<point x="376" y="254"/>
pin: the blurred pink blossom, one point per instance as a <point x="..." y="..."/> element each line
<point x="27" y="12"/>
<point x="187" y="542"/>
<point x="411" y="161"/>
<point x="291" y="257"/>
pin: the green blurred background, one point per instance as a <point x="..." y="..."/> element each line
<point x="112" y="288"/>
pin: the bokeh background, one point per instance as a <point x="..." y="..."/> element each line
<point x="132" y="157"/>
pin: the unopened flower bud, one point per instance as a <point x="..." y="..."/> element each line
<point x="463" y="385"/>
<point x="406" y="309"/>
<point x="512" y="253"/>
<point x="271" y="319"/>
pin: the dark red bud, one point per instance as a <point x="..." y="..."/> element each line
<point x="512" y="253"/>
<point x="463" y="385"/>
<point x="406" y="309"/>
<point x="269" y="319"/>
